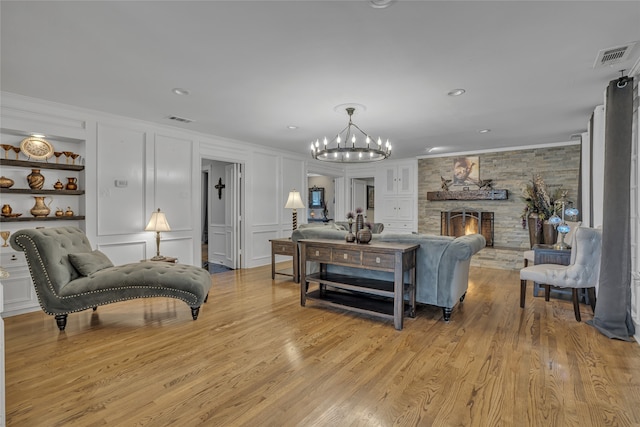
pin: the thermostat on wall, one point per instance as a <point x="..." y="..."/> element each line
<point x="121" y="183"/>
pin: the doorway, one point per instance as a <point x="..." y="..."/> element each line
<point x="221" y="207"/>
<point x="325" y="208"/>
<point x="362" y="196"/>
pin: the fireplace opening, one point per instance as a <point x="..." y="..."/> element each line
<point x="459" y="222"/>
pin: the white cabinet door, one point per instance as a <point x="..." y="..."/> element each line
<point x="404" y="209"/>
<point x="18" y="293"/>
<point x="397" y="180"/>
<point x="404" y="179"/>
<point x="389" y="181"/>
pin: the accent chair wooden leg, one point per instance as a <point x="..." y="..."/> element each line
<point x="194" y="312"/>
<point x="446" y="313"/>
<point x="592" y="298"/>
<point x="206" y="297"/>
<point x="523" y="291"/>
<point x="61" y="320"/>
<point x="95" y="308"/>
<point x="576" y="304"/>
<point x="526" y="263"/>
<point x="547" y="292"/>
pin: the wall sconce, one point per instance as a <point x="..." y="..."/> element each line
<point x="294" y="202"/>
<point x="158" y="223"/>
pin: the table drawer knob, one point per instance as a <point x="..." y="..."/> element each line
<point x="377" y="260"/>
<point x="317" y="253"/>
<point x="345" y="256"/>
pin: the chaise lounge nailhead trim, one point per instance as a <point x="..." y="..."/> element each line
<point x="184" y="282"/>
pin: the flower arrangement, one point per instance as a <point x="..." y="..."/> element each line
<point x="350" y="216"/>
<point x="538" y="200"/>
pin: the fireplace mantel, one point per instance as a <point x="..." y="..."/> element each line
<point x="468" y="195"/>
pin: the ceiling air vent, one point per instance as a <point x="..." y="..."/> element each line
<point x="180" y="119"/>
<point x="613" y="55"/>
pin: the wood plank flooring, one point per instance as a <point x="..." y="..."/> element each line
<point x="255" y="357"/>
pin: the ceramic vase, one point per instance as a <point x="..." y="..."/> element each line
<point x="364" y="235"/>
<point x="549" y="233"/>
<point x="359" y="223"/>
<point x="6" y="182"/>
<point x="535" y="234"/>
<point x="35" y="179"/>
<point x="41" y="209"/>
<point x="350" y="237"/>
<point x="72" y="184"/>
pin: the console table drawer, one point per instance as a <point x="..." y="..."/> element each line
<point x="386" y="261"/>
<point x="343" y="256"/>
<point x="317" y="253"/>
<point x="283" y="248"/>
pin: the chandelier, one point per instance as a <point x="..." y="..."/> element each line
<point x="343" y="147"/>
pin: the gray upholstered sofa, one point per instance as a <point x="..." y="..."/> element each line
<point x="442" y="264"/>
<point x="69" y="277"/>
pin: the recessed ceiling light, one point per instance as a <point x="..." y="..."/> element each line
<point x="380" y="4"/>
<point x="456" y="92"/>
<point x="180" y="91"/>
<point x="292" y="127"/>
<point x="484" y="130"/>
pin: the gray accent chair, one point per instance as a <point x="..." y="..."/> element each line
<point x="582" y="273"/>
<point x="69" y="277"/>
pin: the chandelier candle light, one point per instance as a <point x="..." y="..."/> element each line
<point x="346" y="150"/>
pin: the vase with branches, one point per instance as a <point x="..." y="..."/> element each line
<point x="540" y="205"/>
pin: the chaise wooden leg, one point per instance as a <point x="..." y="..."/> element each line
<point x="576" y="304"/>
<point x="592" y="298"/>
<point x="61" y="320"/>
<point x="194" y="312"/>
<point x="446" y="312"/>
<point x="523" y="291"/>
<point x="206" y="298"/>
<point x="547" y="292"/>
<point x="463" y="297"/>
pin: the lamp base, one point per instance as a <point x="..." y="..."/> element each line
<point x="561" y="244"/>
<point x="158" y="258"/>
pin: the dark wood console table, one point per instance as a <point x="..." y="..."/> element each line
<point x="357" y="293"/>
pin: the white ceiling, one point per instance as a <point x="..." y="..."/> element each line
<point x="255" y="67"/>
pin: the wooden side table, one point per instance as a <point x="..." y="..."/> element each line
<point x="284" y="246"/>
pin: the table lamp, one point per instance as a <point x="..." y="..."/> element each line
<point x="158" y="223"/>
<point x="294" y="202"/>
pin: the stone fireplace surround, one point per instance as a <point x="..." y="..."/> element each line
<point x="512" y="170"/>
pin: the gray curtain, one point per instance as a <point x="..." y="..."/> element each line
<point x="613" y="309"/>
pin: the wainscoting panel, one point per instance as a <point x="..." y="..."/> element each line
<point x="120" y="180"/>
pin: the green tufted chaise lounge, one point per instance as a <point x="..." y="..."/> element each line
<point x="69" y="277"/>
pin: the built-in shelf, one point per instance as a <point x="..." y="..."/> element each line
<point x="46" y="218"/>
<point x="40" y="165"/>
<point x="42" y="191"/>
<point x="468" y="195"/>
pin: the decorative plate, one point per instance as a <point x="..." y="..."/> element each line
<point x="36" y="148"/>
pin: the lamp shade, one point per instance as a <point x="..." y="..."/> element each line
<point x="294" y="201"/>
<point x="158" y="222"/>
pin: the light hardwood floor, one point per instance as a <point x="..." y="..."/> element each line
<point x="255" y="357"/>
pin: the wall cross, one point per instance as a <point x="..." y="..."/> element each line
<point x="219" y="186"/>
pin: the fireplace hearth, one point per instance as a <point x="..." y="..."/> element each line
<point x="461" y="221"/>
